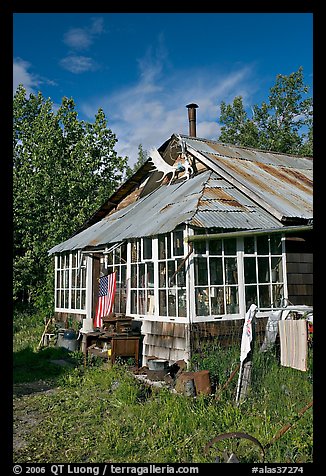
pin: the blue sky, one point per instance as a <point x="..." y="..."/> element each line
<point x="144" y="68"/>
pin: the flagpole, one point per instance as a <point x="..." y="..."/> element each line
<point x="239" y="383"/>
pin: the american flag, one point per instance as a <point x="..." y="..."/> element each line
<point x="105" y="298"/>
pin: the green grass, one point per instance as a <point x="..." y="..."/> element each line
<point x="101" y="414"/>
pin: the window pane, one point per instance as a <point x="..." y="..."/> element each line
<point x="230" y="246"/>
<point x="172" y="302"/>
<point x="83" y="299"/>
<point x="217" y="301"/>
<point x="277" y="270"/>
<point x="83" y="278"/>
<point x="74" y="260"/>
<point x="182" y="303"/>
<point x="66" y="300"/>
<point x="250" y="270"/>
<point x="231" y="272"/>
<point x="150" y="303"/>
<point x="73" y="278"/>
<point x="215" y="247"/>
<point x="57" y="275"/>
<point x="150" y="275"/>
<point x="123" y="275"/>
<point x="181" y="275"/>
<point x="251" y="296"/>
<point x="264" y="296"/>
<point x="200" y="247"/>
<point x="78" y="303"/>
<point x="162" y="302"/>
<point x="162" y="275"/>
<point x="202" y="305"/>
<point x="168" y="250"/>
<point x="142" y="307"/>
<point x="66" y="279"/>
<point x="263" y="270"/>
<point x="161" y="247"/>
<point x="134" y="252"/>
<point x="178" y="243"/>
<point x="124" y="253"/>
<point x="171" y="271"/>
<point x="133" y="276"/>
<point x="73" y="300"/>
<point x="201" y="273"/>
<point x="147" y="248"/>
<point x="123" y="300"/>
<point x="249" y="245"/>
<point x="232" y="299"/>
<point x="278" y="294"/>
<point x="58" y="299"/>
<point x="133" y="302"/>
<point x="262" y="245"/>
<point x="276" y="244"/>
<point x="117" y="255"/>
<point x="141" y="275"/>
<point x="110" y="259"/>
<point x="216" y="270"/>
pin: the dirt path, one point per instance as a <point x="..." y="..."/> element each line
<point x="25" y="414"/>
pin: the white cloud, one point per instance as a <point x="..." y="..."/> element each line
<point x="154" y="108"/>
<point x="97" y="26"/>
<point x="77" y="38"/>
<point x="82" y="38"/>
<point x="22" y="75"/>
<point x="78" y="64"/>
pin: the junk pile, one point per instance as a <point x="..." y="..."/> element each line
<point x="159" y="373"/>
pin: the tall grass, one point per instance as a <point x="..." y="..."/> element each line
<point x="103" y="414"/>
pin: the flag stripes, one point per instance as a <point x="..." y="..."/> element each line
<point x="105" y="298"/>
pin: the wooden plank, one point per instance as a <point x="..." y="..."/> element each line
<point x="294" y="278"/>
<point x="302" y="290"/>
<point x="301" y="268"/>
<point x="299" y="257"/>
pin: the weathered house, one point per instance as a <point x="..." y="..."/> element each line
<point x="223" y="228"/>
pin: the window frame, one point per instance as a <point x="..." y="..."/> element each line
<point x="175" y="289"/>
<point x="270" y="283"/>
<point x="112" y="262"/>
<point x="65" y="267"/>
<point x="210" y="288"/>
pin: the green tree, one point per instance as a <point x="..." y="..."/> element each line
<point x="142" y="157"/>
<point x="63" y="170"/>
<point x="282" y="124"/>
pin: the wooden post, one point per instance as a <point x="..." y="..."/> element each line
<point x="44" y="332"/>
<point x="246" y="361"/>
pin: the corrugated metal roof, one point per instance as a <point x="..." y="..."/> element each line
<point x="245" y="189"/>
<point x="204" y="201"/>
<point x="283" y="182"/>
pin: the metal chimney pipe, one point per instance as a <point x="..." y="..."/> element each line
<point x="192" y="118"/>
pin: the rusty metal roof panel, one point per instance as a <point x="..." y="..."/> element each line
<point x="204" y="200"/>
<point x="288" y="191"/>
<point x="233" y="220"/>
<point x="226" y="150"/>
<point x="158" y="212"/>
<point x="282" y="182"/>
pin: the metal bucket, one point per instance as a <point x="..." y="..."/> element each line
<point x="67" y="339"/>
<point x="158" y="364"/>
